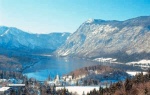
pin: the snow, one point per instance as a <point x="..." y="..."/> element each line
<point x="106" y="38"/>
<point x="141" y="62"/>
<point x="4" y="89"/>
<point x="2" y="80"/>
<point x="16" y="38"/>
<point x="16" y="85"/>
<point x="6" y="32"/>
<point x="90" y="20"/>
<point x="105" y="59"/>
<point x="144" y="64"/>
<point x="133" y="73"/>
<point x="79" y="89"/>
<point x="63" y="34"/>
<point x="65" y="53"/>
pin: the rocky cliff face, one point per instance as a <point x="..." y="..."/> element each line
<point x="101" y="38"/>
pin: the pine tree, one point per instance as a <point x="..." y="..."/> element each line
<point x="128" y="84"/>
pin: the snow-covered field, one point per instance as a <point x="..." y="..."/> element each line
<point x="79" y="89"/>
<point x="144" y="62"/>
<point x="105" y="59"/>
<point x="133" y="73"/>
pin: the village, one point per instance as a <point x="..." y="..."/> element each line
<point x="33" y="87"/>
<point x="12" y="83"/>
<point x="76" y="81"/>
<point x="20" y="85"/>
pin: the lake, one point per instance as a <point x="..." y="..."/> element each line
<point x="49" y="65"/>
<point x="52" y="66"/>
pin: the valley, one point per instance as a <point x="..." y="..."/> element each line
<point x="99" y="52"/>
<point x="74" y="47"/>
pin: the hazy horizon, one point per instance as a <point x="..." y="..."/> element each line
<point x="46" y="16"/>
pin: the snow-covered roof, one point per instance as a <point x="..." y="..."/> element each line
<point x="2" y="89"/>
<point x="133" y="73"/>
<point x="16" y="84"/>
<point x="3" y="79"/>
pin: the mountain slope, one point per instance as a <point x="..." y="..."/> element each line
<point x="13" y="38"/>
<point x="101" y="38"/>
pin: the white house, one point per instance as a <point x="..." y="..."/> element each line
<point x="5" y="91"/>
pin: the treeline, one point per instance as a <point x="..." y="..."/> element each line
<point x="34" y="87"/>
<point x="138" y="85"/>
<point x="39" y="90"/>
<point x="11" y="74"/>
<point x="90" y="69"/>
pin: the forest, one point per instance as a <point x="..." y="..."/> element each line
<point x="138" y="85"/>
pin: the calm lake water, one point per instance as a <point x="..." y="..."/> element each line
<point x="48" y="65"/>
<point x="52" y="66"/>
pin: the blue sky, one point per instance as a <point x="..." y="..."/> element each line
<point x="46" y="16"/>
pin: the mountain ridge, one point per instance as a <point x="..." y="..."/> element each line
<point x="13" y="38"/>
<point x="104" y="38"/>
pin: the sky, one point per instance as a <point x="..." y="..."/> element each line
<point x="46" y="16"/>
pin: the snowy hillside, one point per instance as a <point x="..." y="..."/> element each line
<point x="109" y="38"/>
<point x="13" y="38"/>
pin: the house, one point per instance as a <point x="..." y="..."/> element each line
<point x="67" y="78"/>
<point x="4" y="90"/>
<point x="16" y="85"/>
<point x="3" y="80"/>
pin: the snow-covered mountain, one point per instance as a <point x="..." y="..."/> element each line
<point x="13" y="38"/>
<point x="110" y="38"/>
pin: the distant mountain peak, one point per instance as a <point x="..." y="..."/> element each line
<point x="13" y="38"/>
<point x="90" y="21"/>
